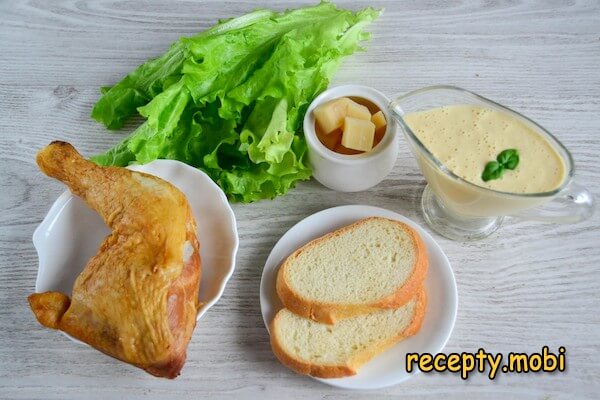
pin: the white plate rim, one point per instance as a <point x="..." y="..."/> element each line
<point x="272" y="263"/>
<point x="66" y="197"/>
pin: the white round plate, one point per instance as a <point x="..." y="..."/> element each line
<point x="388" y="368"/>
<point x="72" y="232"/>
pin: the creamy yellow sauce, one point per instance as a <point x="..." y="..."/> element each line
<point x="465" y="138"/>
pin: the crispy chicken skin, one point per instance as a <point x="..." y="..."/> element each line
<point x="137" y="298"/>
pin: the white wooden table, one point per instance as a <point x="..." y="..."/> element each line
<point x="527" y="286"/>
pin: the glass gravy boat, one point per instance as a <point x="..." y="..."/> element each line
<point x="461" y="210"/>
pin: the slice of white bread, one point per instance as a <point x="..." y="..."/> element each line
<point x="375" y="263"/>
<point x="334" y="351"/>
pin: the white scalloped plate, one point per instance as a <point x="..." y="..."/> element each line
<point x="388" y="368"/>
<point x="71" y="233"/>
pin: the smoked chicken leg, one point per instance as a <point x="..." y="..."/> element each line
<point x="137" y="298"/>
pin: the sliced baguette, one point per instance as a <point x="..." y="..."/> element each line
<point x="334" y="351"/>
<point x="375" y="263"/>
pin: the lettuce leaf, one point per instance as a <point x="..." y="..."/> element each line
<point x="231" y="100"/>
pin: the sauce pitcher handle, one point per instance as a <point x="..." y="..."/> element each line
<point x="573" y="204"/>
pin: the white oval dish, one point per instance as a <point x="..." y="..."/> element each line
<point x="351" y="173"/>
<point x="388" y="368"/>
<point x="71" y="233"/>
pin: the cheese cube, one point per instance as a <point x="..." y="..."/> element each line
<point x="357" y="111"/>
<point x="379" y="120"/>
<point x="346" y="151"/>
<point x="358" y="134"/>
<point x="330" y="116"/>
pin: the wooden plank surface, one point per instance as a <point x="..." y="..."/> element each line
<point x="529" y="285"/>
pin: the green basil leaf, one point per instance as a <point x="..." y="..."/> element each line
<point x="509" y="158"/>
<point x="493" y="170"/>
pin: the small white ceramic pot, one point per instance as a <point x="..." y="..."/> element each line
<point x="351" y="173"/>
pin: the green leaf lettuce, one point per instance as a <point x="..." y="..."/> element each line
<point x="231" y="100"/>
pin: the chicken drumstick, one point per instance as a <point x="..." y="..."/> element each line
<point x="137" y="298"/>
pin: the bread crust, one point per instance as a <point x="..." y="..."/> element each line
<point x="339" y="371"/>
<point x="329" y="313"/>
